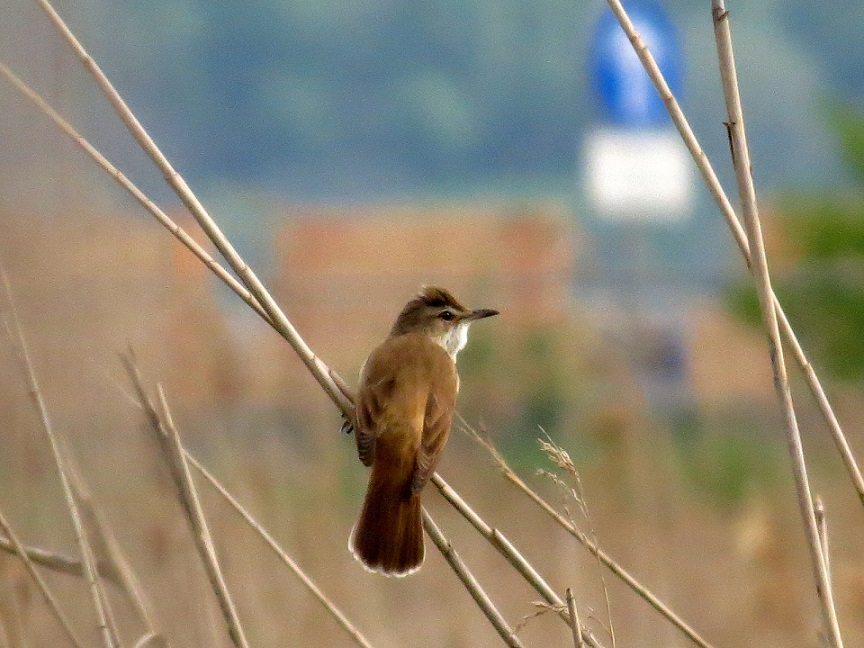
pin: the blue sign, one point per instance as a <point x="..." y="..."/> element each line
<point x="625" y="91"/>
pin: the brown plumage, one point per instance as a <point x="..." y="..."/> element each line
<point x="403" y="413"/>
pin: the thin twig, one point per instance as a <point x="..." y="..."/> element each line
<point x="340" y="617"/>
<point x="144" y="402"/>
<point x="21" y="551"/>
<point x="110" y="562"/>
<point x="178" y="232"/>
<point x="195" y="515"/>
<point x="151" y="640"/>
<point x="279" y="321"/>
<point x="506" y="549"/>
<point x="106" y="549"/>
<point x="587" y="542"/>
<point x="822" y="523"/>
<point x="95" y="538"/>
<point x="747" y="194"/>
<point x="94" y="582"/>
<point x="574" y="620"/>
<point x="561" y="458"/>
<point x="54" y="561"/>
<point x="477" y="593"/>
<point x="738" y="233"/>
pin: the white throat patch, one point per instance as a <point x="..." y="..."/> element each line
<point x="455" y="339"/>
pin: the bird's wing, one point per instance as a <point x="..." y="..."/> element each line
<point x="408" y="384"/>
<point x="388" y="394"/>
<point x="436" y="423"/>
<point x="371" y="403"/>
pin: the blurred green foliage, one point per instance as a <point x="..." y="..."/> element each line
<point x="848" y="123"/>
<point x="725" y="468"/>
<point x="523" y="382"/>
<point x="822" y="289"/>
<point x="545" y="401"/>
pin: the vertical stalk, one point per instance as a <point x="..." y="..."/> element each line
<point x="761" y="274"/>
<point x="738" y="233"/>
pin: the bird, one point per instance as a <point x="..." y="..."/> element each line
<point x="402" y="417"/>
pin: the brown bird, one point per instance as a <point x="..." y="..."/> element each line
<point x="402" y="418"/>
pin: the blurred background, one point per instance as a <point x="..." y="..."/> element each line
<point x="510" y="151"/>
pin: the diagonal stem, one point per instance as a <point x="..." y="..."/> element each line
<point x="46" y="592"/>
<point x="470" y="582"/>
<point x="578" y="641"/>
<point x="134" y="191"/>
<point x="738" y="233"/>
<point x="610" y="563"/>
<point x="91" y="572"/>
<point x="280" y="322"/>
<point x="169" y="440"/>
<point x="513" y="556"/>
<point x="153" y="419"/>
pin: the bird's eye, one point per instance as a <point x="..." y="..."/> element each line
<point x="447" y="315"/>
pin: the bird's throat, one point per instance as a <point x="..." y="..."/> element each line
<point x="454" y="340"/>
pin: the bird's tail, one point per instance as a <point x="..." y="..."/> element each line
<point x="388" y="537"/>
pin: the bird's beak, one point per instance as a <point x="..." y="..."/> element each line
<point x="480" y="313"/>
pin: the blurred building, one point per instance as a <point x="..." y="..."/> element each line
<point x="343" y="273"/>
<point x="89" y="286"/>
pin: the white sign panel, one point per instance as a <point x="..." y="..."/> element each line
<point x="636" y="174"/>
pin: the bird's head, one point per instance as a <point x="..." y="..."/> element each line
<point x="437" y="313"/>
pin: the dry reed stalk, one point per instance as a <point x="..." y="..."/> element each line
<point x="319" y="370"/>
<point x="561" y="458"/>
<point x="282" y="554"/>
<point x="574" y="620"/>
<point x="109" y="553"/>
<point x="21" y="551"/>
<point x="822" y="524"/>
<point x="477" y="593"/>
<point x="738" y="233"/>
<point x="762" y="276"/>
<point x="21" y="353"/>
<point x="509" y="551"/>
<point x="54" y="561"/>
<point x="114" y="568"/>
<point x="182" y="477"/>
<point x="178" y="232"/>
<point x="95" y="536"/>
<point x="106" y="550"/>
<point x="144" y="402"/>
<point x="151" y="640"/>
<point x="643" y="592"/>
